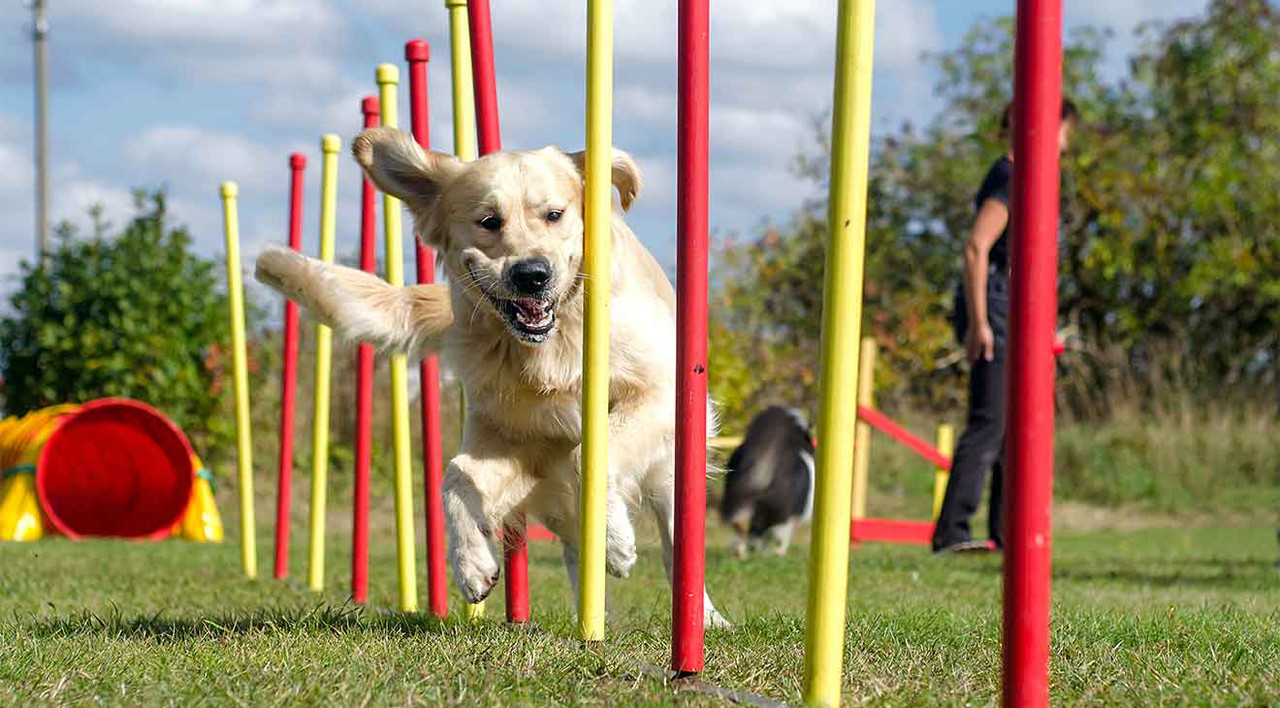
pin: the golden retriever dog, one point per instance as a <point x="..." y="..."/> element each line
<point x="508" y="229"/>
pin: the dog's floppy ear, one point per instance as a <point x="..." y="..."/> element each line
<point x="400" y="167"/>
<point x="625" y="177"/>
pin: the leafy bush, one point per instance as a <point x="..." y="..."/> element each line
<point x="137" y="315"/>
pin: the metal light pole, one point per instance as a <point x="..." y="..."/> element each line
<point x="39" y="36"/>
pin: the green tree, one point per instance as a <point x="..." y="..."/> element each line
<point x="137" y="315"/>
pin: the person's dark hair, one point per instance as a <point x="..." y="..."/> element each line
<point x="1069" y="113"/>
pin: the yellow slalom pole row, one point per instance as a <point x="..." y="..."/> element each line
<point x="244" y="446"/>
<point x="862" y="430"/>
<point x="946" y="447"/>
<point x="841" y="323"/>
<point x="598" y="212"/>
<point x="329" y="147"/>
<point x="388" y="77"/>
<point x="464" y="146"/>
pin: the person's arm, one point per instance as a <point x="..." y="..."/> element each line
<point x="993" y="216"/>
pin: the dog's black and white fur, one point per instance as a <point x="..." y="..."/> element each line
<point x="769" y="485"/>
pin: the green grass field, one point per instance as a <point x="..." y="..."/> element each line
<point x="1172" y="615"/>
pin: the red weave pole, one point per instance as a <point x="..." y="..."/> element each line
<point x="884" y="424"/>
<point x="489" y="140"/>
<point x="417" y="52"/>
<point x="289" y="378"/>
<point x="1029" y="483"/>
<point x="364" y="383"/>
<point x="691" y="340"/>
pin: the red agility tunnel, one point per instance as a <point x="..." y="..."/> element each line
<point x="115" y="467"/>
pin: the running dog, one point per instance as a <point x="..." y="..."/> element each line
<point x="508" y="230"/>
<point x="769" y="485"/>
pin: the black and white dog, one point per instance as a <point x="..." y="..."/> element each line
<point x="769" y="485"/>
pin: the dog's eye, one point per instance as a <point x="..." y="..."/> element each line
<point x="554" y="215"/>
<point x="491" y="223"/>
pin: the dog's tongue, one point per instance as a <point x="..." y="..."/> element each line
<point x="530" y="309"/>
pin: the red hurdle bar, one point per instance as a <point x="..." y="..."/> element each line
<point x="918" y="533"/>
<point x="884" y="424"/>
<point x="417" y="52"/>
<point x="1029" y="482"/>
<point x="364" y="385"/>
<point x="289" y="378"/>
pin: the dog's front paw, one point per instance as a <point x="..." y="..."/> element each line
<point x="283" y="270"/>
<point x="476" y="570"/>
<point x="620" y="540"/>
<point x="620" y="557"/>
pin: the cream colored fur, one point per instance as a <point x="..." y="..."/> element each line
<point x="521" y="444"/>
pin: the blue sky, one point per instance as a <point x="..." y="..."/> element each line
<point x="192" y="92"/>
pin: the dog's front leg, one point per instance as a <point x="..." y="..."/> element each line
<point x="481" y="488"/>
<point x="620" y="533"/>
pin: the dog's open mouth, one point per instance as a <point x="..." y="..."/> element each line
<point x="531" y="319"/>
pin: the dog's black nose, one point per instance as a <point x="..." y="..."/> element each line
<point x="530" y="276"/>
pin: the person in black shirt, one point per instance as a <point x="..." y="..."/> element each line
<point x="981" y="323"/>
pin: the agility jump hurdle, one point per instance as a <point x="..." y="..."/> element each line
<point x="1037" y="93"/>
<point x="862" y="528"/>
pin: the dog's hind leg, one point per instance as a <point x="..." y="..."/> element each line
<point x="741" y="523"/>
<point x="562" y="522"/>
<point x="662" y="504"/>
<point x="782" y="534"/>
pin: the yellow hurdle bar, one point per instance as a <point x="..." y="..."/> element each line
<point x="862" y="429"/>
<point x="464" y="146"/>
<point x="244" y="446"/>
<point x="329" y="147"/>
<point x="841" y="320"/>
<point x="598" y="237"/>
<point x="946" y="447"/>
<point x="388" y="84"/>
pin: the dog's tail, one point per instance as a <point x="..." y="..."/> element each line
<point x="360" y="306"/>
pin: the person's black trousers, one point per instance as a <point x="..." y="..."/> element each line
<point x="981" y="446"/>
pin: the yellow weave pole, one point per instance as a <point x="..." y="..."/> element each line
<point x="240" y="365"/>
<point x="329" y="147"/>
<point x="464" y="146"/>
<point x="841" y="323"/>
<point x="946" y="446"/>
<point x="862" y="431"/>
<point x="388" y="77"/>
<point x="598" y="236"/>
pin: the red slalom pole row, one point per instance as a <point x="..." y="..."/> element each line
<point x="417" y="52"/>
<point x="1028" y="558"/>
<point x="364" y="384"/>
<point x="289" y="378"/>
<point x="489" y="138"/>
<point x="691" y="340"/>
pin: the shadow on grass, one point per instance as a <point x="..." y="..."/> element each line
<point x="319" y="619"/>
<point x="1244" y="574"/>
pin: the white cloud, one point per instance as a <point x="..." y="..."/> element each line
<point x="165" y="151"/>
<point x="221" y="41"/>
